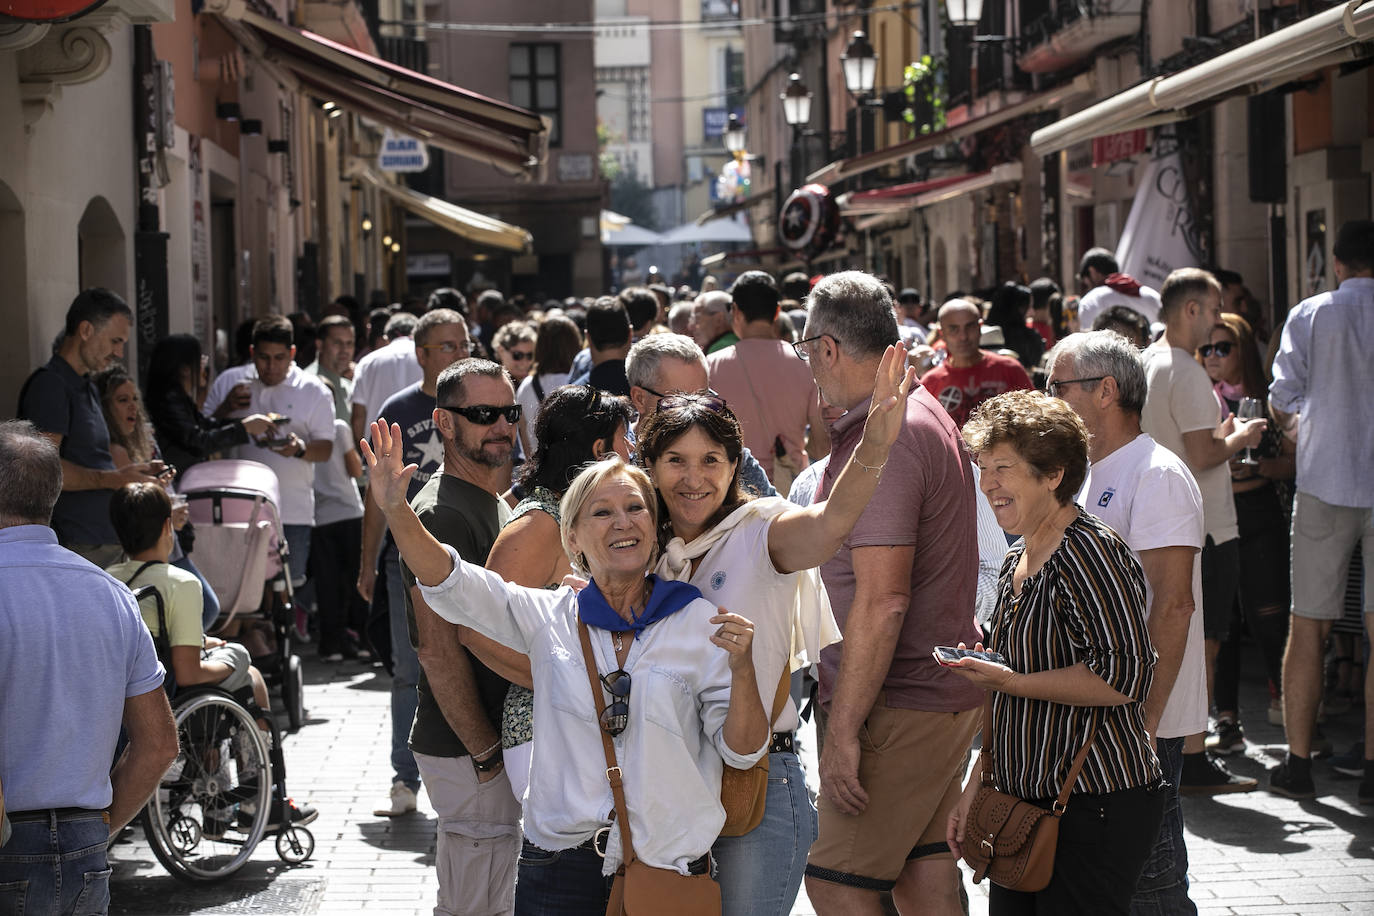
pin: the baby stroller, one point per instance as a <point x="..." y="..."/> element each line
<point x="215" y="802"/>
<point x="240" y="547"/>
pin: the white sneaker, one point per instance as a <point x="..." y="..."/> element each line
<point x="402" y="801"/>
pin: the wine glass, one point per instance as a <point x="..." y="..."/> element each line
<point x="1249" y="409"/>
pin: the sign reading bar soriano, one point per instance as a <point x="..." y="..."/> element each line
<point x="399" y="152"/>
<point x="45" y="10"/>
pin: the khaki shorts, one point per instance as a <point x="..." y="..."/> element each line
<point x="236" y="657"/>
<point x="1324" y="536"/>
<point x="911" y="765"/>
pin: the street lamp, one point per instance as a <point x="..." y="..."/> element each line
<point x="733" y="137"/>
<point x="796" y="103"/>
<point x="964" y="14"/>
<point x="860" y="64"/>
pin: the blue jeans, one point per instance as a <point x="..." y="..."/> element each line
<point x="760" y="872"/>
<point x="405" y="673"/>
<point x="210" y="610"/>
<point x="566" y="883"/>
<point x="1163" y="886"/>
<point x="56" y="867"/>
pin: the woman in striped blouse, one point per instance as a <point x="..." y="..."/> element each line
<point x="1070" y="620"/>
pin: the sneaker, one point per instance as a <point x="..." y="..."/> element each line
<point x="1283" y="781"/>
<point x="402" y="801"/>
<point x="1351" y="763"/>
<point x="1204" y="774"/>
<point x="1228" y="738"/>
<point x="302" y="625"/>
<point x="1276" y="714"/>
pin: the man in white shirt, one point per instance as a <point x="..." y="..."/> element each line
<point x="1148" y="496"/>
<point x="1183" y="414"/>
<point x="383" y="372"/>
<point x="1107" y="286"/>
<point x="305" y="437"/>
<point x="1321" y="389"/>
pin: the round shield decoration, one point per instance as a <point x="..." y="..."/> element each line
<point x="810" y="221"/>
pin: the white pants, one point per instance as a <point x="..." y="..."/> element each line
<point x="478" y="837"/>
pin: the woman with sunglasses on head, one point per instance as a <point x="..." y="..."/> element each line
<point x="676" y="678"/>
<point x="577" y="426"/>
<point x="1262" y="496"/>
<point x="762" y="554"/>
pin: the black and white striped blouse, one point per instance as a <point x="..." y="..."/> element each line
<point x="1086" y="604"/>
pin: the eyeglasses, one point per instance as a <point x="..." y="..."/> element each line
<point x="447" y="346"/>
<point x="518" y="356"/>
<point x="1054" y="387"/>
<point x="709" y="399"/>
<point x="1221" y="348"/>
<point x="486" y="414"/>
<point x="616" y="716"/>
<point x="804" y="353"/>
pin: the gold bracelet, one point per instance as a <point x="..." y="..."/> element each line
<point x="876" y="470"/>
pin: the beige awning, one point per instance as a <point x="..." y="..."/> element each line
<point x="1322" y="40"/>
<point x="464" y="223"/>
<point x="867" y="162"/>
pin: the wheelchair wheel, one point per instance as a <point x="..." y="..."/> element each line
<point x="295" y="845"/>
<point x="213" y="803"/>
<point x="293" y="692"/>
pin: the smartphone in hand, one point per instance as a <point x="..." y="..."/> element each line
<point x="948" y="655"/>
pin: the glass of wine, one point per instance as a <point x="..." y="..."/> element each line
<point x="1249" y="409"/>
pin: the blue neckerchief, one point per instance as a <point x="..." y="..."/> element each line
<point x="666" y="598"/>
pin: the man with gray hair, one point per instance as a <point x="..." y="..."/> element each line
<point x="664" y="364"/>
<point x="905" y="579"/>
<point x="384" y="371"/>
<point x="1148" y="496"/>
<point x="710" y="324"/>
<point x="76" y="661"/>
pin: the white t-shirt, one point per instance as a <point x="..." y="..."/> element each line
<point x="383" y="372"/>
<point x="1146" y="494"/>
<point x="528" y="399"/>
<point x="1180" y="399"/>
<point x="309" y="407"/>
<point x="336" y="495"/>
<point x="1100" y="298"/>
<point x="790" y="611"/>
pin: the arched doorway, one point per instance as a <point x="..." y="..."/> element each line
<point x="15" y="359"/>
<point x="100" y="249"/>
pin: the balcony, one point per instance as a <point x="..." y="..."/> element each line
<point x="716" y="10"/>
<point x="1063" y="32"/>
<point x="411" y="53"/>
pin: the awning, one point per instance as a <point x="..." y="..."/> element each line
<point x="883" y="203"/>
<point x="857" y="165"/>
<point x="467" y="224"/>
<point x="618" y="230"/>
<point x="736" y="207"/>
<point x="721" y="231"/>
<point x="1328" y="38"/>
<point x="512" y="139"/>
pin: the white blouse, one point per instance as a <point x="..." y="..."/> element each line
<point x="670" y="752"/>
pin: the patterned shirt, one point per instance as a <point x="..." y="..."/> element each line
<point x="1086" y="604"/>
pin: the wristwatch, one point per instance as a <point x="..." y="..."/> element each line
<point x="491" y="763"/>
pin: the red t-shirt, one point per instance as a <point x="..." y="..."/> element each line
<point x="961" y="390"/>
<point x="925" y="499"/>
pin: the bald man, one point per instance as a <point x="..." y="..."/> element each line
<point x="969" y="376"/>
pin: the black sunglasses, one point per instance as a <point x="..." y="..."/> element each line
<point x="1221" y="348"/>
<point x="709" y="398"/>
<point x="616" y="716"/>
<point x="486" y="414"/>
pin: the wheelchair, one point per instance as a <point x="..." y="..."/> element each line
<point x="214" y="804"/>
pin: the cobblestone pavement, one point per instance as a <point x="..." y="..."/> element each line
<point x="1251" y="853"/>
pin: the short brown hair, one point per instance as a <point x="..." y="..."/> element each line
<point x="1044" y="431"/>
<point x="673" y="420"/>
<point x="1184" y="284"/>
<point x="138" y="511"/>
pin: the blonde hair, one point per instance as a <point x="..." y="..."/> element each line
<point x="581" y="490"/>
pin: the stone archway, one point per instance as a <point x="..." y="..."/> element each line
<point x="14" y="300"/>
<point x="100" y="249"/>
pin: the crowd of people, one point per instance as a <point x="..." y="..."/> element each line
<point x="611" y="552"/>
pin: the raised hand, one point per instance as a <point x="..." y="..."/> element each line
<point x="887" y="411"/>
<point x="736" y="636"/>
<point x="389" y="476"/>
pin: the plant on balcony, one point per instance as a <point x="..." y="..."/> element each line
<point x="923" y="84"/>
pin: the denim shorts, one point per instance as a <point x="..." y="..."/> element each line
<point x="56" y="866"/>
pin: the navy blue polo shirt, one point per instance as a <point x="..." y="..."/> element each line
<point x="57" y="400"/>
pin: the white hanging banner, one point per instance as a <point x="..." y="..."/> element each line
<point x="1161" y="233"/>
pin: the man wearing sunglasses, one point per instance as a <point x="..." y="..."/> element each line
<point x="456" y="737"/>
<point x="441" y="339"/>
